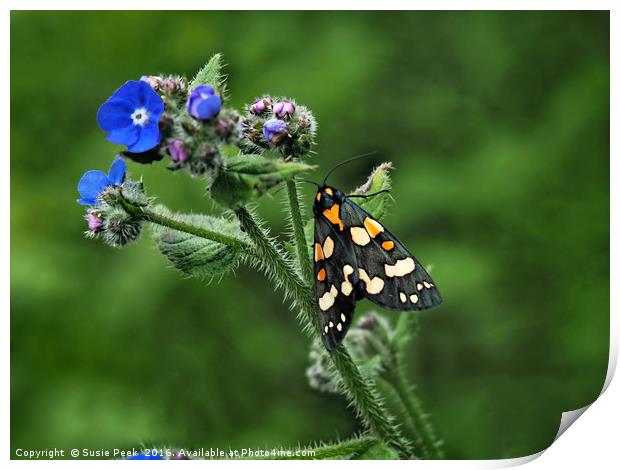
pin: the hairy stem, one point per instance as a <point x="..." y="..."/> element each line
<point x="361" y="391"/>
<point x="351" y="448"/>
<point x="427" y="442"/>
<point x="155" y="218"/>
<point x="298" y="231"/>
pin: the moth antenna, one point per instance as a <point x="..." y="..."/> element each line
<point x="311" y="182"/>
<point x="365" y="196"/>
<point x="365" y="155"/>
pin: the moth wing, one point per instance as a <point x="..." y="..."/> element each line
<point x="335" y="278"/>
<point x="389" y="275"/>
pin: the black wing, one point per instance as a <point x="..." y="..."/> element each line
<point x="335" y="278"/>
<point x="389" y="274"/>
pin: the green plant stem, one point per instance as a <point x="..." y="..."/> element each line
<point x="298" y="231"/>
<point x="361" y="391"/>
<point x="349" y="448"/>
<point x="153" y="217"/>
<point x="427" y="442"/>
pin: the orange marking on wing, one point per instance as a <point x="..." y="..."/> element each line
<point x="387" y="245"/>
<point x="333" y="215"/>
<point x="321" y="274"/>
<point x="318" y="196"/>
<point x="373" y="227"/>
<point x="329" y="191"/>
<point x="318" y="252"/>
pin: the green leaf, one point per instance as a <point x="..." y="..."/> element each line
<point x="210" y="74"/>
<point x="247" y="177"/>
<point x="197" y="256"/>
<point x="379" y="180"/>
<point x="378" y="451"/>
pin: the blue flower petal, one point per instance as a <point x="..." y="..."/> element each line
<point x="126" y="136"/>
<point x="86" y="201"/>
<point x="114" y="114"/>
<point x="149" y="138"/>
<point x="132" y="92"/>
<point x="153" y="103"/>
<point x="117" y="171"/>
<point x="208" y="108"/>
<point x="91" y="184"/>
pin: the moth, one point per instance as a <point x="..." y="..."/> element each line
<point x="356" y="257"/>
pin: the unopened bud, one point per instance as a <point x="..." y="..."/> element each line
<point x="274" y="130"/>
<point x="260" y="105"/>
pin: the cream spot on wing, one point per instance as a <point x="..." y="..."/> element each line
<point x="413" y="298"/>
<point x="326" y="328"/>
<point x="339" y="327"/>
<point x="400" y="268"/>
<point x="343" y="318"/>
<point x="403" y="297"/>
<point x="420" y="286"/>
<point x="360" y="236"/>
<point x="328" y="298"/>
<point x="331" y="325"/>
<point x="374" y="285"/>
<point x="427" y="285"/>
<point x="346" y="288"/>
<point x="328" y="247"/>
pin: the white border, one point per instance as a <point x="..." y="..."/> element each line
<point x="593" y="441"/>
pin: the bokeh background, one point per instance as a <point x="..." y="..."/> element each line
<point x="498" y="125"/>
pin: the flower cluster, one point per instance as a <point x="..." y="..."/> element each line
<point x="187" y="123"/>
<point x="105" y="217"/>
<point x="279" y="124"/>
<point x="157" y="117"/>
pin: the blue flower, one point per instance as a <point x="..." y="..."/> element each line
<point x="203" y="103"/>
<point x="142" y="456"/>
<point x="274" y="130"/>
<point x="131" y="116"/>
<point x="93" y="182"/>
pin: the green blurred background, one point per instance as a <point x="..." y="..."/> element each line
<point x="498" y="125"/>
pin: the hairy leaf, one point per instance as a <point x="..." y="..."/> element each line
<point x="197" y="256"/>
<point x="210" y="74"/>
<point x="247" y="177"/>
<point x="378" y="451"/>
<point x="379" y="180"/>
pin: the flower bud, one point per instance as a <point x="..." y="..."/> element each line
<point x="120" y="228"/>
<point x="274" y="130"/>
<point x="260" y="105"/>
<point x="223" y="128"/>
<point x="284" y="109"/>
<point x="369" y="321"/>
<point x="155" y="81"/>
<point x="173" y="84"/>
<point x="319" y="376"/>
<point x="95" y="222"/>
<point x="177" y="151"/>
<point x="203" y="103"/>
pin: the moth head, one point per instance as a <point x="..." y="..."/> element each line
<point x="326" y="197"/>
